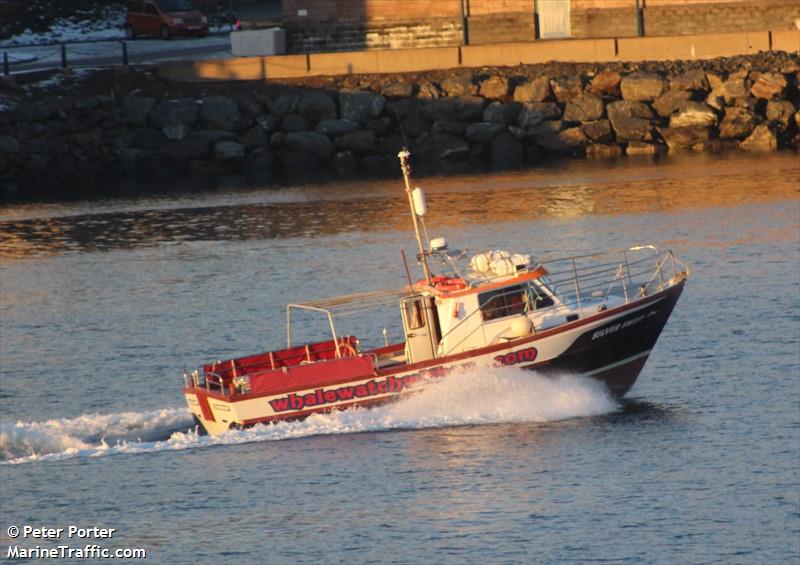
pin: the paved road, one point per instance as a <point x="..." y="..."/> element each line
<point x="103" y="53"/>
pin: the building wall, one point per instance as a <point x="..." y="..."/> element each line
<point x="617" y="18"/>
<point x="336" y="25"/>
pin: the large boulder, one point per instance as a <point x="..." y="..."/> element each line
<point x="642" y="86"/>
<point x="442" y="146"/>
<point x="294" y="122"/>
<point x="598" y="131"/>
<point x="670" y="101"/>
<point x="357" y="141"/>
<point x="630" y="120"/>
<point x="728" y="92"/>
<point x="398" y="90"/>
<point x="459" y="85"/>
<point x="283" y="105"/>
<point x="428" y="91"/>
<point x="315" y="105"/>
<point x="499" y="113"/>
<point x="769" y="85"/>
<point x="690" y="80"/>
<point x="146" y="138"/>
<point x="453" y="128"/>
<point x="228" y="151"/>
<point x="644" y="148"/>
<point x="544" y="130"/>
<point x="176" y="132"/>
<point x="536" y="90"/>
<point x="136" y="108"/>
<point x="684" y="137"/>
<point x="566" y="88"/>
<point x="9" y="144"/>
<point x="762" y="139"/>
<point x="571" y="140"/>
<point x="219" y="112"/>
<point x="584" y="108"/>
<point x="693" y="114"/>
<point x="628" y="109"/>
<point x="483" y="131"/>
<point x="533" y="113"/>
<point x="606" y="83"/>
<point x="494" y="87"/>
<point x="360" y="105"/>
<point x="468" y="108"/>
<point x="310" y="142"/>
<point x="255" y="137"/>
<point x="506" y="152"/>
<point x="414" y="125"/>
<point x="737" y="123"/>
<point x="335" y="128"/>
<point x="603" y="150"/>
<point x="178" y="111"/>
<point x="259" y="164"/>
<point x="780" y="112"/>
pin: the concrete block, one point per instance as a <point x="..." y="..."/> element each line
<point x="344" y="63"/>
<point x="510" y="54"/>
<point x="412" y="60"/>
<point x="703" y="46"/>
<point x="786" y="40"/>
<point x="258" y="42"/>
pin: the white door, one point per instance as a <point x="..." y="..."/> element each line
<point x="553" y="18"/>
<point x="419" y="325"/>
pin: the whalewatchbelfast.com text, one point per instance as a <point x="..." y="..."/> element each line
<point x="322" y="396"/>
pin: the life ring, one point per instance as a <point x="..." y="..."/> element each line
<point x="449" y="284"/>
<point x="347" y="350"/>
<point x="443" y="283"/>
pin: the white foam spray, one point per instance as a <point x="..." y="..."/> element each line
<point x="469" y="397"/>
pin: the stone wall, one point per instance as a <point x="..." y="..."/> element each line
<point x="115" y="124"/>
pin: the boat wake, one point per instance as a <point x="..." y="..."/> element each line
<point x="474" y="396"/>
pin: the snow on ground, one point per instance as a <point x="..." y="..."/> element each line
<point x="75" y="28"/>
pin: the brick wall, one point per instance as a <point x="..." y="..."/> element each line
<point x="336" y="25"/>
<point x="606" y="22"/>
<point x="356" y="36"/>
<point x="682" y="17"/>
<point x="720" y="18"/>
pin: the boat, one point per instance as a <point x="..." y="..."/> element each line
<point x="596" y="315"/>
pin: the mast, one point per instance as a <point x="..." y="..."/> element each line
<point x="403" y="156"/>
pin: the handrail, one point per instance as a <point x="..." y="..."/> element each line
<point x="586" y="280"/>
<point x="312" y="309"/>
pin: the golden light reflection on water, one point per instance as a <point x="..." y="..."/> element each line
<point x="564" y="190"/>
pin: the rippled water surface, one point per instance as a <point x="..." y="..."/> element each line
<point x="104" y="303"/>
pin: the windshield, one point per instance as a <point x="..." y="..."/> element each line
<point x="175" y="5"/>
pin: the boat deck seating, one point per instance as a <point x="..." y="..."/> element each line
<point x="284" y="358"/>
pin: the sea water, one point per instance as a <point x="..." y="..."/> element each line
<point x="105" y="303"/>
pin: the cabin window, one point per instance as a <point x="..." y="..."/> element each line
<point x="503" y="302"/>
<point x="540" y="299"/>
<point x="414" y="315"/>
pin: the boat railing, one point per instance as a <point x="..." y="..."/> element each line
<point x="325" y="311"/>
<point x="589" y="279"/>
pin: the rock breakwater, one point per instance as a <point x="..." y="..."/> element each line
<point x="90" y="129"/>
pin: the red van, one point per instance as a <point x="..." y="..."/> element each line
<point x="164" y="18"/>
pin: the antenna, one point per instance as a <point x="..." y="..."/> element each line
<point x="405" y="167"/>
